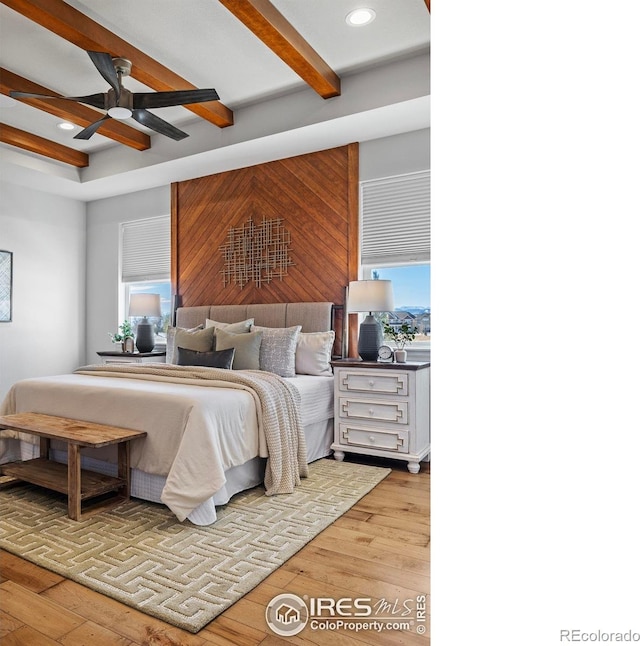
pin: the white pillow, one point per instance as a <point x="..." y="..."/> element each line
<point x="278" y="349"/>
<point x="313" y="353"/>
<point x="233" y="328"/>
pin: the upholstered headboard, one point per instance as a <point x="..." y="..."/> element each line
<point x="313" y="317"/>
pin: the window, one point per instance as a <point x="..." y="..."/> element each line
<point x="162" y="287"/>
<point x="396" y="246"/>
<point x="146" y="266"/>
<point x="412" y="298"/>
<point x="396" y="220"/>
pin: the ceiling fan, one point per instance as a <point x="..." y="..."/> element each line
<point x="120" y="103"/>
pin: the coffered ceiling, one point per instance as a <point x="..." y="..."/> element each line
<point x="278" y="66"/>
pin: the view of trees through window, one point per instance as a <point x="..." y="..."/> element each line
<point x="412" y="298"/>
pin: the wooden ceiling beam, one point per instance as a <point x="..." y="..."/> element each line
<point x="77" y="113"/>
<point x="41" y="146"/>
<point x="279" y="35"/>
<point x="428" y="3"/>
<point x="72" y="25"/>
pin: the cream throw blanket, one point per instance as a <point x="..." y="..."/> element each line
<point x="277" y="403"/>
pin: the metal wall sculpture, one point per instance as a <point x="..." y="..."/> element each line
<point x="257" y="253"/>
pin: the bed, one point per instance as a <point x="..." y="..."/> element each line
<point x="210" y="431"/>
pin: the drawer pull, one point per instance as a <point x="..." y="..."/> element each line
<point x="372" y="383"/>
<point x="372" y="439"/>
<point x="371" y="411"/>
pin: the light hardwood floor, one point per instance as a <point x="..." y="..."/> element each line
<point x="378" y="549"/>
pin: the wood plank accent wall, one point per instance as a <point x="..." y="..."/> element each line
<point x="316" y="195"/>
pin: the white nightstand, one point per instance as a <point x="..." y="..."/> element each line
<point x="382" y="409"/>
<point x="110" y="356"/>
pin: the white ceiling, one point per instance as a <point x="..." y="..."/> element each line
<point x="383" y="69"/>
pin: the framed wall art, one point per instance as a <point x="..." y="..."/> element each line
<point x="6" y="285"/>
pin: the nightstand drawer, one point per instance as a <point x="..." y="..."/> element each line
<point x="112" y="356"/>
<point x="387" y="411"/>
<point x="374" y="382"/>
<point x="397" y="441"/>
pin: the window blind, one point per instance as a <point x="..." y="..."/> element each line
<point x="146" y="249"/>
<point x="396" y="219"/>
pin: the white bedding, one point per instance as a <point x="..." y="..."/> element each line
<point x="316" y="395"/>
<point x="226" y="436"/>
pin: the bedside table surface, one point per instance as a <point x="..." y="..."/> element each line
<point x="115" y="353"/>
<point x="389" y="365"/>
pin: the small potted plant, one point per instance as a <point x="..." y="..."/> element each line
<point x="400" y="336"/>
<point x="124" y="336"/>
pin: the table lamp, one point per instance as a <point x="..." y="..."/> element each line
<point x="370" y="296"/>
<point x="145" y="305"/>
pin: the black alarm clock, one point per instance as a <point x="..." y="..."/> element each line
<point x="385" y="353"/>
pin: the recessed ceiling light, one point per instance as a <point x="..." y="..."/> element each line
<point x="65" y="125"/>
<point x="359" y="17"/>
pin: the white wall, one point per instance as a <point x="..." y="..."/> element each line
<point x="47" y="236"/>
<point x="103" y="244"/>
<point x="405" y="153"/>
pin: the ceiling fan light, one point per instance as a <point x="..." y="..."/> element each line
<point x="119" y="113"/>
<point x="360" y="17"/>
<point x="66" y="125"/>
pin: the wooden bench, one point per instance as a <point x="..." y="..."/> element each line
<point x="78" y="484"/>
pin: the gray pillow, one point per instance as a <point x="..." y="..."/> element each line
<point x="247" y="347"/>
<point x="213" y="359"/>
<point x="235" y="328"/>
<point x="193" y="339"/>
<point x="278" y="349"/>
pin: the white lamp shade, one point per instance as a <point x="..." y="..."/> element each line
<point x="145" y="305"/>
<point x="370" y="296"/>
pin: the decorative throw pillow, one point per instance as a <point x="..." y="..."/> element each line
<point x="247" y="346"/>
<point x="192" y="339"/>
<point x="213" y="359"/>
<point x="313" y="353"/>
<point x="278" y="349"/>
<point x="236" y="328"/>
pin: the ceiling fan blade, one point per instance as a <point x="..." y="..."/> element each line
<point x="105" y="66"/>
<point x="159" y="125"/>
<point x="178" y="97"/>
<point x="96" y="100"/>
<point x="91" y="129"/>
<point x="29" y="95"/>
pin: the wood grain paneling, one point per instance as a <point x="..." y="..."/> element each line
<point x="316" y="195"/>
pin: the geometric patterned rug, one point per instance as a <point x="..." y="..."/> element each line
<point x="139" y="554"/>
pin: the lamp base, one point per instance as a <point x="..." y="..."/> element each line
<point x="145" y="338"/>
<point x="370" y="339"/>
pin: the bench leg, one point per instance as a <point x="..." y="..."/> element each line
<point x="73" y="477"/>
<point x="45" y="445"/>
<point x="123" y="468"/>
